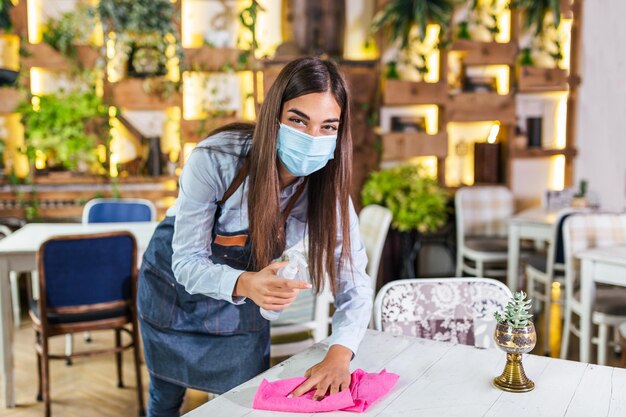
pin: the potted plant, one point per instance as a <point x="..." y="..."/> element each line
<point x="406" y="22"/>
<point x="515" y="334"/>
<point x="5" y="18"/>
<point x="540" y="45"/>
<point x="417" y="201"/>
<point x="145" y="32"/>
<point x="58" y="128"/>
<point x="71" y="34"/>
<point x="580" y="198"/>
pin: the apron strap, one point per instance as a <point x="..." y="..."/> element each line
<point x="241" y="175"/>
<point x="293" y="200"/>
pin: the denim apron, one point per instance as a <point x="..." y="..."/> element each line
<point x="194" y="340"/>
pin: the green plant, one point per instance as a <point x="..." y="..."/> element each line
<point x="582" y="189"/>
<point x="57" y="127"/>
<point x="136" y="22"/>
<point x="416" y="200"/>
<point x="516" y="312"/>
<point x="401" y="16"/>
<point x="5" y="18"/>
<point x="534" y="13"/>
<point x="72" y="28"/>
<point x="137" y="16"/>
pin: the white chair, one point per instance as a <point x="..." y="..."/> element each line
<point x="542" y="271"/>
<point x="374" y="222"/>
<point x="306" y="321"/>
<point x="482" y="215"/>
<point x="581" y="232"/>
<point x="458" y="310"/>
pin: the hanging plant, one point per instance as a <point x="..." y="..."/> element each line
<point x="145" y="31"/>
<point x="534" y="13"/>
<point x="400" y="16"/>
<point x="406" y="22"/>
<point x="5" y="18"/>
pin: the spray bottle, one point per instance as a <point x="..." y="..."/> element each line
<point x="297" y="265"/>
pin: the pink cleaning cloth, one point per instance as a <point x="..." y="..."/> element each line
<point x="365" y="389"/>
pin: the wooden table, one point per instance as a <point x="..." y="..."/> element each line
<point x="599" y="265"/>
<point x="18" y="253"/>
<point x="535" y="223"/>
<point x="442" y="379"/>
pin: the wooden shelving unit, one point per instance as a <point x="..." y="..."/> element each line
<point x="63" y="197"/>
<point x="472" y="107"/>
<point x="541" y="153"/>
<point x="399" y="145"/>
<point x="130" y="93"/>
<point x="485" y="53"/>
<point x="534" y="80"/>
<point x="9" y="99"/>
<point x="478" y="107"/>
<point x="207" y="58"/>
<point x="398" y="93"/>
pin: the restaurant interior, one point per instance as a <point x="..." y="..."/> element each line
<point x="484" y="145"/>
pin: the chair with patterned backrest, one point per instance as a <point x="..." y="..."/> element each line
<point x="482" y="215"/>
<point x="543" y="270"/>
<point x="459" y="310"/>
<point x="87" y="282"/>
<point x="582" y="232"/>
<point x="111" y="210"/>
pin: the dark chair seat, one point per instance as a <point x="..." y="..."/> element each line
<point x="494" y="244"/>
<point x="56" y="318"/>
<point x="609" y="300"/>
<point x="538" y="261"/>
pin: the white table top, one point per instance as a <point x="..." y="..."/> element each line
<point x="30" y="237"/>
<point x="610" y="254"/>
<point x="442" y="379"/>
<point x="539" y="215"/>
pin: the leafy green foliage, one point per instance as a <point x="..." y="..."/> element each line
<point x="137" y="16"/>
<point x="400" y="16"/>
<point x="5" y="19"/>
<point x="516" y="312"/>
<point x="534" y="12"/>
<point x="415" y="199"/>
<point x="57" y="128"/>
<point x="70" y="29"/>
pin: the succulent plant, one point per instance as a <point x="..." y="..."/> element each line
<point x="516" y="312"/>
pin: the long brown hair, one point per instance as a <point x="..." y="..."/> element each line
<point x="328" y="188"/>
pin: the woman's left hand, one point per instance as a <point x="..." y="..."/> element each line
<point x="329" y="376"/>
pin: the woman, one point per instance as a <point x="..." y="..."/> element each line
<point x="247" y="193"/>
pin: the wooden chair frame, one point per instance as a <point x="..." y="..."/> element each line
<point x="44" y="329"/>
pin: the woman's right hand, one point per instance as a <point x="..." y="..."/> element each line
<point x="267" y="289"/>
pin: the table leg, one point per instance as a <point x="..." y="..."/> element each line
<point x="587" y="295"/>
<point x="513" y="258"/>
<point x="6" y="335"/>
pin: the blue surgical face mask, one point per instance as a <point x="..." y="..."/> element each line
<point x="303" y="154"/>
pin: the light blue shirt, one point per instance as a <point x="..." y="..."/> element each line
<point x="208" y="173"/>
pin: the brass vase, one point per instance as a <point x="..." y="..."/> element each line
<point x="515" y="341"/>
